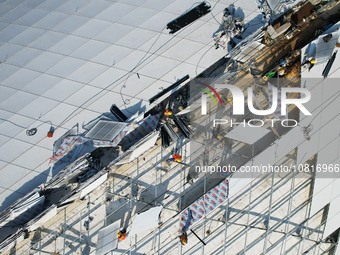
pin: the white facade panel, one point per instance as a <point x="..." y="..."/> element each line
<point x="93" y="185"/>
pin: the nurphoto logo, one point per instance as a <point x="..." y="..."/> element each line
<point x="279" y="102"/>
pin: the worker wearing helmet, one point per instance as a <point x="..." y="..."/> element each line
<point x="183" y="238"/>
<point x="312" y="62"/>
<point x="177" y="158"/>
<point x="121" y="235"/>
<point x="168" y="112"/>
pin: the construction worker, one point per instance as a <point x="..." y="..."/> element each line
<point x="121" y="235"/>
<point x="177" y="158"/>
<point x="183" y="238"/>
<point x="309" y="63"/>
<point x="312" y="63"/>
<point x="168" y="112"/>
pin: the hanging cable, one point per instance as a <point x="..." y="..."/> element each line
<point x="29" y="131"/>
<point x="309" y="128"/>
<point x="199" y="61"/>
<point x="121" y="77"/>
<point x="127" y="101"/>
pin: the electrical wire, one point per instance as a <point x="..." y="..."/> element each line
<point x="309" y="128"/>
<point x="15" y="124"/>
<point x="214" y="17"/>
<point x="337" y="96"/>
<point x="122" y="77"/>
<point x="29" y="131"/>
<point x="115" y="81"/>
<point x="199" y="61"/>
<point x="127" y="101"/>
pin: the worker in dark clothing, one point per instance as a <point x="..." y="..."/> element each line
<point x="309" y="63"/>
